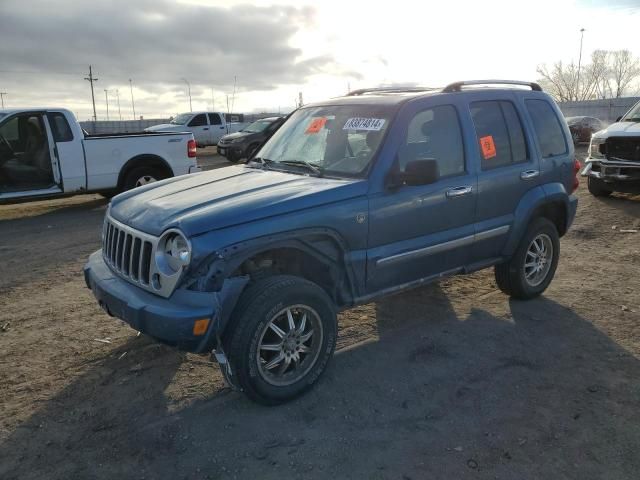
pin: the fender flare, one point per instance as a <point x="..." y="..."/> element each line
<point x="552" y="193"/>
<point x="214" y="268"/>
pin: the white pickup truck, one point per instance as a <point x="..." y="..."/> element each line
<point x="207" y="127"/>
<point x="45" y="153"/>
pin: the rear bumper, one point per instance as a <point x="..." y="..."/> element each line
<point x="169" y="320"/>
<point x="194" y="169"/>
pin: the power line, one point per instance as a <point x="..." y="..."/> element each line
<point x="92" y="79"/>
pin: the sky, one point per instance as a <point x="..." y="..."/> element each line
<point x="270" y="50"/>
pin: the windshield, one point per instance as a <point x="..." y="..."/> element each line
<point x="258" y="126"/>
<point x="181" y="119"/>
<point x="338" y="140"/>
<point x="633" y="115"/>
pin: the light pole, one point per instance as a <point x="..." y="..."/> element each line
<point x="2" y="94"/>
<point x="118" y="100"/>
<point x="579" y="63"/>
<point x="133" y="106"/>
<point x="189" y="91"/>
<point x="106" y="99"/>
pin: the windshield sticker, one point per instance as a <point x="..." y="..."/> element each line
<point x="488" y="147"/>
<point x="359" y="123"/>
<point x="316" y="125"/>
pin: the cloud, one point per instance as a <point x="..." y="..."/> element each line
<point x="156" y="42"/>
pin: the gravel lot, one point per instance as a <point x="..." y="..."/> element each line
<point x="453" y="380"/>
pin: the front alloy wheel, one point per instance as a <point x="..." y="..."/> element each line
<point x="289" y="345"/>
<point x="280" y="337"/>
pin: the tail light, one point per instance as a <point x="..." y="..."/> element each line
<point x="191" y="148"/>
<point x="576" y="169"/>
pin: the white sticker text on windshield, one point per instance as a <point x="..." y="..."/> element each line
<point x="359" y="123"/>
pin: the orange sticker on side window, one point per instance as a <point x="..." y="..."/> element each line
<point x="488" y="147"/>
<point x="316" y="125"/>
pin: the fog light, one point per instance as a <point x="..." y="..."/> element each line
<point x="200" y="326"/>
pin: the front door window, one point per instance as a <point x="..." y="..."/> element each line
<point x="25" y="159"/>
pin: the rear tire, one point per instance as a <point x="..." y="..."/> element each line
<point x="530" y="271"/>
<point x="598" y="188"/>
<point x="304" y="338"/>
<point x="141" y="176"/>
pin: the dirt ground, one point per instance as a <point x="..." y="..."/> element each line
<point x="453" y="380"/>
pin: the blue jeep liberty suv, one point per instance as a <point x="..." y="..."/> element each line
<point x="352" y="198"/>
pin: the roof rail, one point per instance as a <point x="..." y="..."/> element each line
<point x="362" y="91"/>
<point x="457" y="86"/>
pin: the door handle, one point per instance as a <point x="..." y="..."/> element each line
<point x="458" y="191"/>
<point x="529" y="174"/>
<point x="205" y="128"/>
<point x="221" y="128"/>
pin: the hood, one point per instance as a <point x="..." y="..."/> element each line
<point x="220" y="198"/>
<point x="620" y="129"/>
<point x="166" y="127"/>
<point x="233" y="136"/>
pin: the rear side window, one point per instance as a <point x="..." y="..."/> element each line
<point x="214" y="119"/>
<point x="60" y="127"/>
<point x="499" y="132"/>
<point x="547" y="127"/>
<point x="198" y="120"/>
<point x="435" y="133"/>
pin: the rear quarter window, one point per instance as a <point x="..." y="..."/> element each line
<point x="547" y="128"/>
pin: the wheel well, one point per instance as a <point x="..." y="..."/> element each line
<point x="556" y="213"/>
<point x="144" y="161"/>
<point x="292" y="261"/>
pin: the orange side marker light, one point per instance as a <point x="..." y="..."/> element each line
<point x="200" y="326"/>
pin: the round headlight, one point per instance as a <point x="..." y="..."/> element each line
<point x="173" y="253"/>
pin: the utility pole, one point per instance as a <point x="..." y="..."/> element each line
<point x="2" y="94"/>
<point x="106" y="99"/>
<point x="213" y="103"/>
<point x="300" y="102"/>
<point x="189" y="92"/>
<point x="579" y="63"/>
<point x="133" y="106"/>
<point x="118" y="100"/>
<point x="92" y="79"/>
<point x="233" y="97"/>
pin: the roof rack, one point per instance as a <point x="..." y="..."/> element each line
<point x="362" y="91"/>
<point x="457" y="86"/>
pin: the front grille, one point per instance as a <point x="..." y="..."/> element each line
<point x="128" y="252"/>
<point x="623" y="148"/>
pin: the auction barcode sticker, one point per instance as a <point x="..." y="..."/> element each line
<point x="359" y="123"/>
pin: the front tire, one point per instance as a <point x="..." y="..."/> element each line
<point x="530" y="271"/>
<point x="282" y="335"/>
<point x="598" y="188"/>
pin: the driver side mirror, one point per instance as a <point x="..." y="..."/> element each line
<point x="422" y="171"/>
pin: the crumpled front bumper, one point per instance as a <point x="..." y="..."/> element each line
<point x="611" y="170"/>
<point x="169" y="320"/>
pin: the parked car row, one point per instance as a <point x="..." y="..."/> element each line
<point x="243" y="144"/>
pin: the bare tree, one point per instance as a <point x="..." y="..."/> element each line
<point x="610" y="74"/>
<point x="624" y="70"/>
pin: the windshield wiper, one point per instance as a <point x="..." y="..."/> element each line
<point x="264" y="162"/>
<point x="303" y="163"/>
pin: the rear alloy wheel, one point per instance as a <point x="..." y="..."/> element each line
<point x="530" y="271"/>
<point x="141" y="176"/>
<point x="281" y="337"/>
<point x="598" y="188"/>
